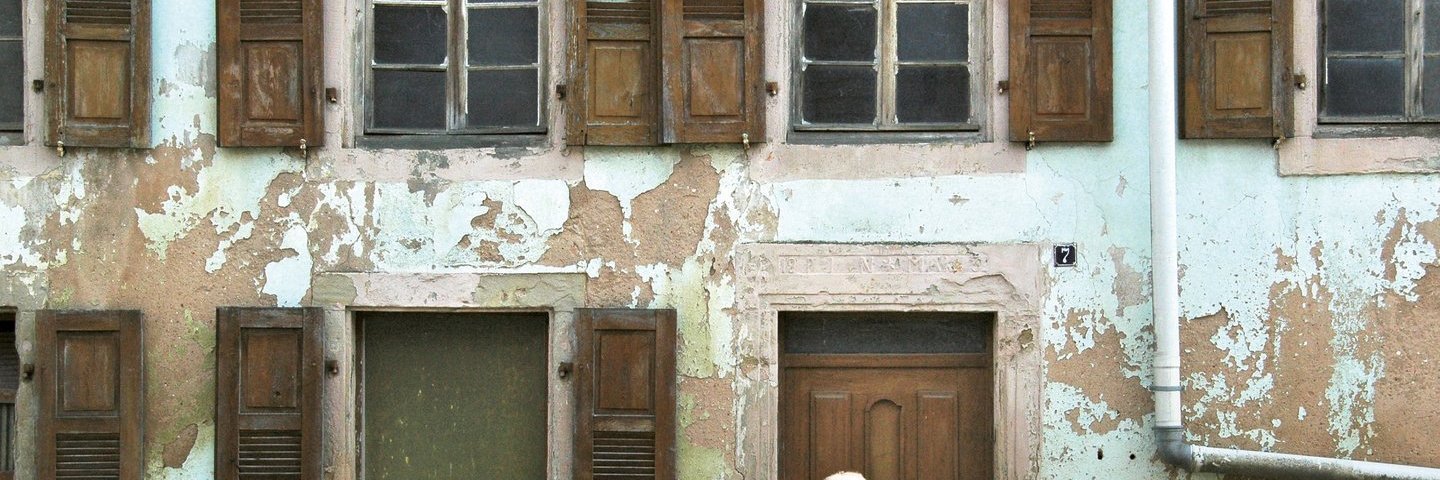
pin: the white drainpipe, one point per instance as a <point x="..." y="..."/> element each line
<point x="1165" y="280"/>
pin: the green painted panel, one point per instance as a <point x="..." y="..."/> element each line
<point x="454" y="396"/>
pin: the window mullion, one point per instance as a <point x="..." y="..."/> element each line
<point x="1414" y="44"/>
<point x="456" y="65"/>
<point x="886" y="68"/>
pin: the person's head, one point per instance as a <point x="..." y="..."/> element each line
<point x="845" y="476"/>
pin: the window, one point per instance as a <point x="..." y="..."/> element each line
<point x="887" y="65"/>
<point x="12" y="68"/>
<point x="1380" y="61"/>
<point x="455" y="67"/>
<point x="9" y="383"/>
<point x="452" y="395"/>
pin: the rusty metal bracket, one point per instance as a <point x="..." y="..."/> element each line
<point x="565" y="369"/>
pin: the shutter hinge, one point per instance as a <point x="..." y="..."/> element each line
<point x="1003" y="86"/>
<point x="37" y="85"/>
<point x="1030" y="142"/>
<point x="1278" y="141"/>
<point x="1301" y="82"/>
<point x="332" y="95"/>
<point x="60" y="148"/>
<point x="332" y="366"/>
<point x="745" y="142"/>
<point x="27" y="371"/>
<point x="561" y="90"/>
<point x="772" y="88"/>
<point x="304" y="149"/>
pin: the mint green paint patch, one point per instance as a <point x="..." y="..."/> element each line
<point x="701" y="463"/>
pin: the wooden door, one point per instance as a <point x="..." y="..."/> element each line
<point x="889" y="416"/>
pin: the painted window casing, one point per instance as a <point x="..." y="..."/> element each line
<point x="439" y="67"/>
<point x="883" y="55"/>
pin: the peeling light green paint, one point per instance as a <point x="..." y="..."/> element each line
<point x="229" y="190"/>
<point x="200" y="465"/>
<point x="628" y="172"/>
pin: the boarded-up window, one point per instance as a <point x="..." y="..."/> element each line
<point x="665" y="71"/>
<point x="1060" y="70"/>
<point x="625" y="395"/>
<point x="12" y="66"/>
<point x="1381" y="61"/>
<point x="455" y="67"/>
<point x="889" y="395"/>
<point x="270" y="73"/>
<point x="268" y="393"/>
<point x="1236" y="68"/>
<point x="454" y="395"/>
<point x="97" y="73"/>
<point x="89" y="382"/>
<point x="888" y="65"/>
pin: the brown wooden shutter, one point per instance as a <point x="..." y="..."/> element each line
<point x="625" y="389"/>
<point x="1060" y="70"/>
<point x="1236" y="68"/>
<point x="269" y="392"/>
<point x="97" y="72"/>
<point x="712" y="68"/>
<point x="270" y="73"/>
<point x="613" y="73"/>
<point x="91" y="388"/>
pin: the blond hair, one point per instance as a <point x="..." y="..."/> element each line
<point x="845" y="476"/>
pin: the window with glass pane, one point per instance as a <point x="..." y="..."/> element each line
<point x="885" y="65"/>
<point x="1381" y="61"/>
<point x="455" y="67"/>
<point x="12" y="68"/>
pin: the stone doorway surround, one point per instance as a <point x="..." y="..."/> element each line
<point x="341" y="295"/>
<point x="1009" y="280"/>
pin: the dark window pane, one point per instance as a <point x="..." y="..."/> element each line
<point x="890" y="332"/>
<point x="10" y="18"/>
<point x="1364" y="25"/>
<point x="503" y="98"/>
<point x="499" y="1"/>
<point x="839" y="94"/>
<point x="1432" y="26"/>
<point x="503" y="36"/>
<point x="412" y="100"/>
<point x="1364" y="87"/>
<point x="409" y="35"/>
<point x="932" y="31"/>
<point x="12" y="83"/>
<point x="1430" y="87"/>
<point x="840" y="32"/>
<point x="932" y="94"/>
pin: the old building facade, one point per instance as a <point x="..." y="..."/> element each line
<point x="705" y="226"/>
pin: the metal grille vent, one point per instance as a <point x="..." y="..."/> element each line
<point x="270" y="454"/>
<point x="1237" y="7"/>
<point x="629" y="11"/>
<point x="87" y="455"/>
<point x="97" y="12"/>
<point x="1060" y="8"/>
<point x="271" y="12"/>
<point x="714" y="9"/>
<point x="627" y="455"/>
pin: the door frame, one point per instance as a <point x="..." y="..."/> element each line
<point x="1010" y="281"/>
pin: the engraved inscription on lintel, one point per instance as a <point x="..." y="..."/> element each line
<point x="874" y="264"/>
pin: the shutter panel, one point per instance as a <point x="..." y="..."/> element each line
<point x="1060" y="69"/>
<point x="1236" y="68"/>
<point x="625" y="388"/>
<point x="268" y="393"/>
<point x="712" y="70"/>
<point x="90" y="381"/>
<point x="270" y="73"/>
<point x="614" y="73"/>
<point x="97" y="70"/>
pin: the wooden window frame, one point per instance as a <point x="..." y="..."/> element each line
<point x="886" y="64"/>
<point x="12" y="133"/>
<point x="457" y="68"/>
<point x="357" y="319"/>
<point x="1413" y="122"/>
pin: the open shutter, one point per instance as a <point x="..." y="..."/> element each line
<point x="270" y="73"/>
<point x="712" y="70"/>
<point x="625" y="388"/>
<point x="614" y="73"/>
<point x="89" y="376"/>
<point x="97" y="73"/>
<point x="1060" y="70"/>
<point x="1236" y="68"/>
<point x="267" y="407"/>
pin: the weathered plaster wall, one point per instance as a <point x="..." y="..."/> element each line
<point x="1308" y="299"/>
